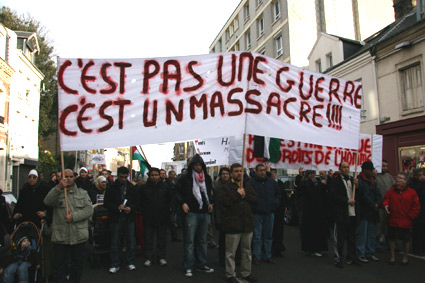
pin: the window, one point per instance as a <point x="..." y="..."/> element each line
<point x="262" y="51"/>
<point x="276" y="10"/>
<point x="411" y="157"/>
<point x="259" y="2"/>
<point x="329" y="60"/>
<point x="260" y="26"/>
<point x="246" y="12"/>
<point x="248" y="39"/>
<point x="236" y="23"/>
<point x="227" y="35"/>
<point x="220" y="47"/>
<point x="319" y="66"/>
<point x="411" y="87"/>
<point x="279" y="45"/>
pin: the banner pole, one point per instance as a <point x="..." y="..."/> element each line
<point x="355" y="175"/>
<point x="131" y="164"/>
<point x="64" y="189"/>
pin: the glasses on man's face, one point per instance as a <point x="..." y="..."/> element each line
<point x="32" y="177"/>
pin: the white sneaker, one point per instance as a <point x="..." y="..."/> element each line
<point x="114" y="270"/>
<point x="316" y="254"/>
<point x="131" y="267"/>
<point x="188" y="273"/>
<point x="148" y="263"/>
<point x="162" y="262"/>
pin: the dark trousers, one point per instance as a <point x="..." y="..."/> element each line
<point x="278" y="231"/>
<point x="221" y="247"/>
<point x="156" y="232"/>
<point x="345" y="232"/>
<point x="64" y="254"/>
<point x="418" y="236"/>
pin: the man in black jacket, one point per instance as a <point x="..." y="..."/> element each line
<point x="86" y="184"/>
<point x="237" y="222"/>
<point x="121" y="200"/>
<point x="155" y="198"/>
<point x="194" y="195"/>
<point x="344" y="213"/>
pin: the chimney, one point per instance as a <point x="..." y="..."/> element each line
<point x="403" y="7"/>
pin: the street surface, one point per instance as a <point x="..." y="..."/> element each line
<point x="295" y="266"/>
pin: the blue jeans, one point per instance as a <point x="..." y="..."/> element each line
<point x="365" y="238"/>
<point x="196" y="227"/>
<point x="263" y="226"/>
<point x="21" y="268"/>
<point x="128" y="230"/>
<point x="65" y="255"/>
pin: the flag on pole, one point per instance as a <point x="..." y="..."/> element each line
<point x="144" y="165"/>
<point x="266" y="147"/>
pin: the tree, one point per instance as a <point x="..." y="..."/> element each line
<point x="48" y="122"/>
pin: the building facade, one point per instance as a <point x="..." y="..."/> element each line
<point x="287" y="29"/>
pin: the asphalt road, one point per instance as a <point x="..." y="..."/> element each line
<point x="295" y="266"/>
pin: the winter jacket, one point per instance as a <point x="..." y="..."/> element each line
<point x="81" y="208"/>
<point x="403" y="206"/>
<point x="88" y="186"/>
<point x="155" y="202"/>
<point x="184" y="188"/>
<point x="113" y="199"/>
<point x="31" y="200"/>
<point x="367" y="197"/>
<point x="339" y="198"/>
<point x="269" y="194"/>
<point x="236" y="212"/>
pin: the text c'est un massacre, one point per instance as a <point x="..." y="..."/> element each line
<point x="307" y="93"/>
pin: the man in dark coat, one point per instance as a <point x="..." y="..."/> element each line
<point x="237" y="222"/>
<point x="343" y="211"/>
<point x="279" y="218"/>
<point x="30" y="205"/>
<point x="269" y="197"/>
<point x="194" y="196"/>
<point x="368" y="201"/>
<point x="155" y="197"/>
<point x="122" y="201"/>
<point x="86" y="184"/>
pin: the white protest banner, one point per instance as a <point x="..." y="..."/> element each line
<point x="98" y="159"/>
<point x="122" y="102"/>
<point x="214" y="151"/>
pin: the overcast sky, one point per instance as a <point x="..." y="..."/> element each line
<point x="129" y="29"/>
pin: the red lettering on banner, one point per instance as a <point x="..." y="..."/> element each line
<point x="152" y="121"/>
<point x="169" y="107"/>
<point x="122" y="66"/>
<point x="235" y="101"/>
<point x="289" y="82"/>
<point x="257" y="71"/>
<point x="251" y="101"/>
<point x="315" y="115"/>
<point x="86" y="78"/>
<point x="202" y="102"/>
<point x="62" y="119"/>
<point x="348" y="91"/>
<point x="121" y="103"/>
<point x="220" y="71"/>
<point x="81" y="118"/>
<point x="285" y="107"/>
<point x="61" y="82"/>
<point x="271" y="103"/>
<point x="358" y="97"/>
<point x="365" y="146"/>
<point x="148" y="74"/>
<point x="242" y="56"/>
<point x="333" y="89"/>
<point x="217" y="101"/>
<point x="107" y="79"/>
<point x="304" y="110"/>
<point x="300" y="86"/>
<point x="108" y="118"/>
<point x="195" y="75"/>
<point x="167" y="75"/>
<point x="318" y="89"/>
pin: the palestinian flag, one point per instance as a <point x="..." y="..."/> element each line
<point x="144" y="165"/>
<point x="266" y="147"/>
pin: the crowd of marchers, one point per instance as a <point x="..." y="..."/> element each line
<point x="360" y="213"/>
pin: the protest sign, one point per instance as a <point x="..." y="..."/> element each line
<point x="214" y="151"/>
<point x="122" y="102"/>
<point x="98" y="159"/>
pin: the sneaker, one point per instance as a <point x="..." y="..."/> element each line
<point x="316" y="254"/>
<point x="114" y="270"/>
<point x="206" y="269"/>
<point x="232" y="280"/>
<point x="363" y="259"/>
<point x="148" y="263"/>
<point x="373" y="257"/>
<point x="131" y="267"/>
<point x="250" y="278"/>
<point x="339" y="264"/>
<point x="188" y="273"/>
<point x="162" y="262"/>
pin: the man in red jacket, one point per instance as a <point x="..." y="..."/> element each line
<point x="402" y="206"/>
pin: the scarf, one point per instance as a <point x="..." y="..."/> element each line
<point x="199" y="187"/>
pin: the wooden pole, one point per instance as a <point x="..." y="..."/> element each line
<point x="243" y="158"/>
<point x="355" y="175"/>
<point x="131" y="164"/>
<point x="64" y="189"/>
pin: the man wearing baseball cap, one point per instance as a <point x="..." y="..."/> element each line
<point x="368" y="201"/>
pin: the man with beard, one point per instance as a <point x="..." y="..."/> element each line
<point x="194" y="195"/>
<point x="344" y="213"/>
<point x="237" y="222"/>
